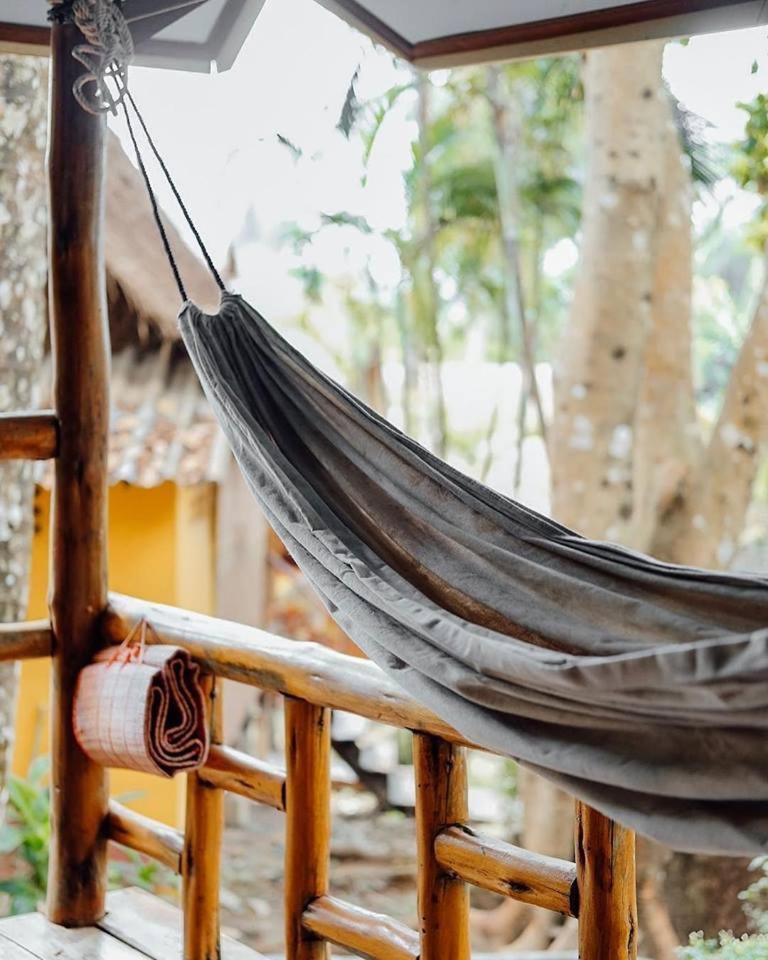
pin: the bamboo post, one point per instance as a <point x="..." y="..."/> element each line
<point x="201" y="859"/>
<point x="605" y="867"/>
<point x="441" y="801"/>
<point x="307" y="822"/>
<point x="80" y="348"/>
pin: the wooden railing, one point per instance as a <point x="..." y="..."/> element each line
<point x="598" y="889"/>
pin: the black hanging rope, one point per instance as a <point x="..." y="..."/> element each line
<point x="177" y="195"/>
<point x="155" y="207"/>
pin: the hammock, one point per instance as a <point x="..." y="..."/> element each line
<point x="638" y="686"/>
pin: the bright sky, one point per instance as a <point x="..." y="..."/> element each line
<point x="219" y="133"/>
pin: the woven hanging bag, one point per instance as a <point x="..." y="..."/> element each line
<point x="142" y="707"/>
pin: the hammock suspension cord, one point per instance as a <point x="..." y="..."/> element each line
<point x="129" y="100"/>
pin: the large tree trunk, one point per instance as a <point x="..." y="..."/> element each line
<point x="22" y="330"/>
<point x="599" y="376"/>
<point x="627" y="458"/>
<point x="706" y="518"/>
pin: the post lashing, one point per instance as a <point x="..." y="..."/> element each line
<point x="106" y="53"/>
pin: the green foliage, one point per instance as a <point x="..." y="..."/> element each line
<point x="726" y="947"/>
<point x="749" y="946"/>
<point x="138" y="871"/>
<point x="750" y="166"/>
<point x="27" y="834"/>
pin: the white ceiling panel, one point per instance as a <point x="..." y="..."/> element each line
<point x="418" y="20"/>
<point x="429" y="33"/>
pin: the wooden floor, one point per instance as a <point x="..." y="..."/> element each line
<point x="136" y="926"/>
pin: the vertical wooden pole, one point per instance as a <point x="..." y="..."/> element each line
<point x="201" y="859"/>
<point x="441" y="801"/>
<point x="80" y="347"/>
<point x="605" y="869"/>
<point x="307" y="822"/>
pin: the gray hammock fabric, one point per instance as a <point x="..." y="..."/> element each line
<point x="638" y="686"/>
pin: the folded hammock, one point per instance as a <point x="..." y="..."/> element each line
<point x="638" y="686"/>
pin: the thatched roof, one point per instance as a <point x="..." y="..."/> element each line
<point x="161" y="427"/>
<point x="143" y="299"/>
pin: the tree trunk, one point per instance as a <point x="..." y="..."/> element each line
<point x="426" y="297"/>
<point x="706" y="519"/>
<point x="23" y="320"/>
<point x="598" y="378"/>
<point x="626" y="454"/>
<point x="507" y="141"/>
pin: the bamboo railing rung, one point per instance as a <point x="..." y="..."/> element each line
<point x="307" y="823"/>
<point x="144" y="835"/>
<point x="201" y="859"/>
<point x="605" y="865"/>
<point x="29" y="436"/>
<point x="363" y="933"/>
<point x="509" y="870"/>
<point x="440" y="770"/>
<point x="238" y="773"/>
<point x="24" y="641"/>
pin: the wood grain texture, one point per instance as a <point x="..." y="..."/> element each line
<point x="307" y="671"/>
<point x="25" y="641"/>
<point x="307" y="822"/>
<point x="154" y="927"/>
<point x="201" y="859"/>
<point x="363" y="933"/>
<point x="24" y="39"/>
<point x="509" y="870"/>
<point x="440" y="770"/>
<point x="79" y="344"/>
<point x="236" y="772"/>
<point x="145" y="835"/>
<point x="46" y="941"/>
<point x="12" y="951"/>
<point x="605" y="864"/>
<point x="29" y="436"/>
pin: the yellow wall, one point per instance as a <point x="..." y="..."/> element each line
<point x="161" y="548"/>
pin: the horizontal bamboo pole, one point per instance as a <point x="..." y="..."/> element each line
<point x="238" y="773"/>
<point x="296" y="668"/>
<point x="29" y="436"/>
<point x="509" y="870"/>
<point x="366" y="934"/>
<point x="143" y="835"/>
<point x="24" y="641"/>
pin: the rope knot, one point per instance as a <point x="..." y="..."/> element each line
<point x="105" y="55"/>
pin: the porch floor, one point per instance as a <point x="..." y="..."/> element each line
<point x="136" y="926"/>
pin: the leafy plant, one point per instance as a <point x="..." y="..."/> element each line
<point x="138" y="871"/>
<point x="27" y="835"/>
<point x="749" y="946"/>
<point x="750" y="167"/>
<point x="726" y="947"/>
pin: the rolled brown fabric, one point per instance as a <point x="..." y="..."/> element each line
<point x="142" y="708"/>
